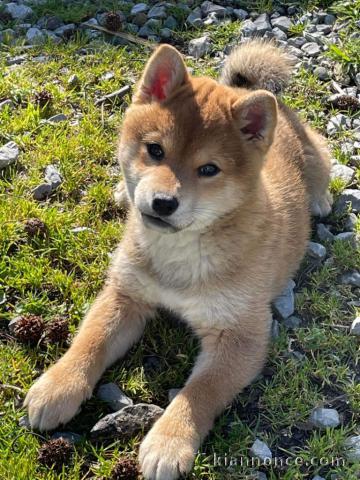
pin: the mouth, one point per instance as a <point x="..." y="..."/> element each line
<point x="157" y="223"/>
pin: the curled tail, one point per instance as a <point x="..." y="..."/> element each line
<point x="257" y="64"/>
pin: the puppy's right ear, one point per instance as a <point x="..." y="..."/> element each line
<point x="164" y="73"/>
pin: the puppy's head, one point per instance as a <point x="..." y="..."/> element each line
<point x="191" y="150"/>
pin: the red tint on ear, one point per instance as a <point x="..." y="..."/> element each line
<point x="256" y="118"/>
<point x="157" y="89"/>
<point x="164" y="73"/>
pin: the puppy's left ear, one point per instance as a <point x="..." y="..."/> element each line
<point x="256" y="118"/>
<point x="164" y="73"/>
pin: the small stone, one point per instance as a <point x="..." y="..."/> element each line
<point x="248" y="28"/>
<point x="70" y="437"/>
<point x="329" y="19"/>
<point x="172" y="393"/>
<point x="324" y="417"/>
<point x="260" y="450"/>
<point x="60" y="117"/>
<point x="345" y="236"/>
<point x="18" y="12"/>
<point x="139" y="8"/>
<point x="262" y="24"/>
<point x="73" y="81"/>
<point x="311" y="49"/>
<point x="80" y="230"/>
<point x="355" y="327"/>
<point x="292" y="323"/>
<point x="351" y="222"/>
<point x="195" y="17"/>
<point x="171" y="23"/>
<point x="66" y="31"/>
<point x="42" y="191"/>
<point x="127" y="422"/>
<point x="111" y="394"/>
<point x="275" y="329"/>
<point x="338" y="123"/>
<point x="259" y="476"/>
<point x="198" y="47"/>
<point x="323" y="29"/>
<point x="283" y="23"/>
<point x="9" y="153"/>
<point x="140" y="19"/>
<point x="348" y="197"/>
<point x="296" y="42"/>
<point x="342" y="171"/>
<point x="352" y="445"/>
<point x="34" y="36"/>
<point x="158" y="11"/>
<point x="25" y="422"/>
<point x="322" y="73"/>
<point x="208" y="7"/>
<point x="240" y="14"/>
<point x="6" y="104"/>
<point x="53" y="176"/>
<point x="316" y="251"/>
<point x="324" y="233"/>
<point x="351" y="278"/>
<point x="355" y="161"/>
<point x="279" y="34"/>
<point x="165" y="33"/>
<point x="317" y="477"/>
<point x="284" y="304"/>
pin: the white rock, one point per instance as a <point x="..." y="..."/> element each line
<point x="52" y="176"/>
<point x="34" y="36"/>
<point x="324" y="417"/>
<point x="284" y="23"/>
<point x="198" y="47"/>
<point x="342" y="171"/>
<point x="311" y="49"/>
<point x="351" y="278"/>
<point x="9" y="153"/>
<point x="111" y="394"/>
<point x="345" y="236"/>
<point x="355" y="327"/>
<point x="338" y="123"/>
<point x="316" y="250"/>
<point x="18" y="12"/>
<point x="260" y="450"/>
<point x="352" y="445"/>
<point x="348" y="197"/>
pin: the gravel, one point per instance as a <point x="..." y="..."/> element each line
<point x="112" y="395"/>
<point x="9" y="153"/>
<point x="198" y="47"/>
<point x="351" y="278"/>
<point x="324" y="417"/>
<point x="126" y="423"/>
<point x="260" y="450"/>
<point x="284" y="304"/>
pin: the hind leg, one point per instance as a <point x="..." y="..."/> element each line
<point x="317" y="174"/>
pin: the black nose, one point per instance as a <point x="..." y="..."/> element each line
<point x="165" y="206"/>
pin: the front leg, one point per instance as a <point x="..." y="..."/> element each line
<point x="114" y="323"/>
<point x="229" y="360"/>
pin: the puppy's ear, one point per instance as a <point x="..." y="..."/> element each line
<point x="256" y="117"/>
<point x="164" y="73"/>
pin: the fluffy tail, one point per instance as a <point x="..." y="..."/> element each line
<point x="257" y="64"/>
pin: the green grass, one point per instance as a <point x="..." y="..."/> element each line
<point x="62" y="272"/>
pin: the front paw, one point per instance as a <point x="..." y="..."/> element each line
<point x="55" y="398"/>
<point x="167" y="453"/>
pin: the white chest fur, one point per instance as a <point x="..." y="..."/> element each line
<point x="185" y="275"/>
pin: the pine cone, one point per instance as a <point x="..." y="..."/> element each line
<point x="43" y="97"/>
<point x="34" y="227"/>
<point x="56" y="452"/>
<point x="125" y="469"/>
<point x="345" y="102"/>
<point x="112" y="21"/>
<point x="57" y="331"/>
<point x="29" y="329"/>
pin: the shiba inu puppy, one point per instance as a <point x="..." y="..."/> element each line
<point x="220" y="178"/>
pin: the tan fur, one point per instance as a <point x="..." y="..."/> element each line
<point x="231" y="246"/>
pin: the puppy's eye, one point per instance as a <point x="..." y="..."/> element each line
<point x="155" y="151"/>
<point x="209" y="170"/>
